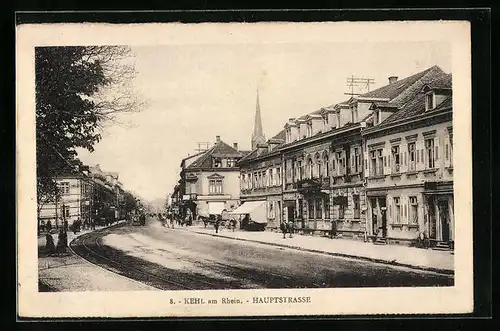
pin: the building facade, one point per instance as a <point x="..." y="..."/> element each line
<point x="210" y="182"/>
<point x="410" y="167"/>
<point x="261" y="178"/>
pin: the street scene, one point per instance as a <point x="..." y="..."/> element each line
<point x="253" y="166"/>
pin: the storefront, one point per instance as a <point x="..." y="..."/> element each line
<point x="439" y="216"/>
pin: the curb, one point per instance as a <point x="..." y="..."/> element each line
<point x="445" y="272"/>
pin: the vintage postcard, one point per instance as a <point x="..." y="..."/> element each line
<point x="257" y="169"/>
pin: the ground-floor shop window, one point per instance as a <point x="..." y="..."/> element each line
<point x="341" y="211"/>
<point x="310" y="208"/>
<point x="319" y="211"/>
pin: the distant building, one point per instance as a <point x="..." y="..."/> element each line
<point x="75" y="191"/>
<point x="209" y="181"/>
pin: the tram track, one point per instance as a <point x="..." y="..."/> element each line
<point x="90" y="248"/>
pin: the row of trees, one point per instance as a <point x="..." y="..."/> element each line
<point x="79" y="89"/>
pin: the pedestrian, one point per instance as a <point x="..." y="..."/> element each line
<point x="283" y="229"/>
<point x="49" y="226"/>
<point x="333" y="229"/>
<point x="49" y="243"/>
<point x="290" y="228"/>
<point x="65" y="226"/>
<point x="216" y="225"/>
<point x="42" y="226"/>
<point x="62" y="241"/>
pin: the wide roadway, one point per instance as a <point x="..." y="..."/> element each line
<point x="207" y="262"/>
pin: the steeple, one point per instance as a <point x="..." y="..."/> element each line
<point x="257" y="136"/>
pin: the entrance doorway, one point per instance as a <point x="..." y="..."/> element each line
<point x="431" y="210"/>
<point x="379" y="215"/>
<point x="444" y="218"/>
<point x="290" y="213"/>
<point x="374" y="206"/>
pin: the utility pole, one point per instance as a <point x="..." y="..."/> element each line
<point x="362" y="85"/>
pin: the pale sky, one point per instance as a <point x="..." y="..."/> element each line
<point x="195" y="92"/>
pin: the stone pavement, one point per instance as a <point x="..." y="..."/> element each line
<point x="424" y="259"/>
<point x="69" y="272"/>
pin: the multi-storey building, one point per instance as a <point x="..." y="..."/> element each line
<point x="72" y="202"/>
<point x="210" y="181"/>
<point x="409" y="148"/>
<point x="324" y="178"/>
<point x="261" y="178"/>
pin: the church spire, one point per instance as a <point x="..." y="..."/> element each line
<point x="257" y="136"/>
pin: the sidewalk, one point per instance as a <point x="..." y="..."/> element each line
<point x="69" y="272"/>
<point x="424" y="259"/>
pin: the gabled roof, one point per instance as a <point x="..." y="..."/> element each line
<point x="400" y="88"/>
<point x="220" y="149"/>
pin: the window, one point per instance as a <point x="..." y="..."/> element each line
<point x="217" y="162"/>
<point x="376" y="162"/>
<point x="338" y="119"/>
<point x="429" y="101"/>
<point x="320" y="169"/>
<point x="380" y="164"/>
<point x="278" y="176"/>
<point x="311" y="168"/>
<point x="327" y="208"/>
<point x="215" y="186"/>
<point x="356" y="206"/>
<point x="271" y="177"/>
<point x="309" y="129"/>
<point x="429" y="153"/>
<point x="300" y="170"/>
<point x="341" y="211"/>
<point x="357" y="160"/>
<point x="64" y="188"/>
<point x="310" y="212"/>
<point x="413" y="213"/>
<point x="340" y="163"/>
<point x="327" y="166"/>
<point x="411" y="157"/>
<point x="231" y="163"/>
<point x="397" y="211"/>
<point x="395" y="159"/>
<point x="319" y="209"/>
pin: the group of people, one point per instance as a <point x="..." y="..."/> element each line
<point x="62" y="239"/>
<point x="167" y="220"/>
<point x="289" y="227"/>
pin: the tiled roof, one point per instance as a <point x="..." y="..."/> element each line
<point x="416" y="106"/>
<point x="260" y="152"/>
<point x="396" y="89"/>
<point x="220" y="149"/>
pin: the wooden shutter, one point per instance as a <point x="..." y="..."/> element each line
<point x="436" y="151"/>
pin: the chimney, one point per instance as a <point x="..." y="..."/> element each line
<point x="393" y="79"/>
<point x="235" y="146"/>
<point x="217" y="139"/>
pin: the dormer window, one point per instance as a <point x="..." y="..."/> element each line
<point x="429" y="101"/>
<point x="217" y="162"/>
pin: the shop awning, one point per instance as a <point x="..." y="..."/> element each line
<point x="215" y="208"/>
<point x="248" y="207"/>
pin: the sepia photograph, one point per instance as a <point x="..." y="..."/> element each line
<point x="244" y="169"/>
